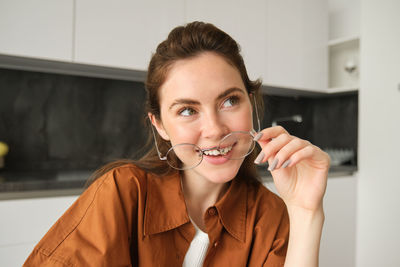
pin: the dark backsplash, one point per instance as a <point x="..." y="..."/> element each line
<point x="279" y="107"/>
<point x="328" y="122"/>
<point x="63" y="122"/>
<point x="335" y="122"/>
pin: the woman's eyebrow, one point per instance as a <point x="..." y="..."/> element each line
<point x="184" y="101"/>
<point x="228" y="92"/>
<point x="189" y="101"/>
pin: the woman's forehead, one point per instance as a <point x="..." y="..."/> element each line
<point x="204" y="75"/>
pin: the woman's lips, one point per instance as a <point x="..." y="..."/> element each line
<point x="218" y="147"/>
<point x="217" y="160"/>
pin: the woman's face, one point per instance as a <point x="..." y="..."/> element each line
<point x="202" y="100"/>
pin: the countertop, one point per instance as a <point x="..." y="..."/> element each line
<point x="23" y="184"/>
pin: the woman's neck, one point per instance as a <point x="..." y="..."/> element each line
<point x="199" y="195"/>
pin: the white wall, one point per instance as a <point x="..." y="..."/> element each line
<point x="378" y="226"/>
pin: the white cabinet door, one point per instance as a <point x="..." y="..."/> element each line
<point x="338" y="242"/>
<point x="24" y="222"/>
<point x="284" y="42"/>
<point x="123" y="33"/>
<point x="39" y="29"/>
<point x="338" y="235"/>
<point x="296" y="48"/>
<point x="244" y="20"/>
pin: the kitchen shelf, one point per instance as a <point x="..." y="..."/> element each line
<point x="290" y="92"/>
<point x="70" y="68"/>
<point x="343" y="40"/>
<point x="344" y="64"/>
<point x="342" y="89"/>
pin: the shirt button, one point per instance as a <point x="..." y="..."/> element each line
<point x="212" y="211"/>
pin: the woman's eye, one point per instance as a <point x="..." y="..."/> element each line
<point x="231" y="101"/>
<point x="187" y="112"/>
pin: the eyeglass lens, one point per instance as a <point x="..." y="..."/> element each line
<point x="184" y="156"/>
<point x="236" y="145"/>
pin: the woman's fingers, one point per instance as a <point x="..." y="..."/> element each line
<point x="285" y="155"/>
<point x="273" y="146"/>
<point x="281" y="149"/>
<point x="270" y="133"/>
<point x="264" y="137"/>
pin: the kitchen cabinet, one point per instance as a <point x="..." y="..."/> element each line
<point x="41" y="29"/>
<point x="296" y="50"/>
<point x="283" y="42"/>
<point x="244" y="20"/>
<point x="344" y="19"/>
<point x="123" y="33"/>
<point x="338" y="233"/>
<point x="24" y="222"/>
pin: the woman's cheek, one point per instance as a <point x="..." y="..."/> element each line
<point x="180" y="134"/>
<point x="241" y="121"/>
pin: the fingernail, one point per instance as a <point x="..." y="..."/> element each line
<point x="259" y="158"/>
<point x="286" y="163"/>
<point x="273" y="165"/>
<point x="258" y="136"/>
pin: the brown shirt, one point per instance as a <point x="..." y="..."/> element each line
<point x="132" y="218"/>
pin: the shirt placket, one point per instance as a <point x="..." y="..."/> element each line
<point x="214" y="230"/>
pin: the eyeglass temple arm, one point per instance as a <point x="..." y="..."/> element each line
<point x="258" y="118"/>
<point x="155" y="142"/>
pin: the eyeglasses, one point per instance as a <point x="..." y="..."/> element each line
<point x="234" y="146"/>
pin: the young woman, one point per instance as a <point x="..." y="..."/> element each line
<point x="194" y="198"/>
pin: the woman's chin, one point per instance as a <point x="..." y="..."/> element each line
<point x="219" y="173"/>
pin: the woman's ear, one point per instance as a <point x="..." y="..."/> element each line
<point x="159" y="127"/>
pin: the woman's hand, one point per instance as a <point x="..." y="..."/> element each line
<point x="299" y="168"/>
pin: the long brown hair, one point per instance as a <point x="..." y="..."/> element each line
<point x="186" y="42"/>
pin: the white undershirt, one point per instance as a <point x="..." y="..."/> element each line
<point x="197" y="250"/>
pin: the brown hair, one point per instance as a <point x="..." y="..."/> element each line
<point x="185" y="42"/>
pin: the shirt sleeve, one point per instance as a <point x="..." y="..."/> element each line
<point x="97" y="229"/>
<point x="277" y="255"/>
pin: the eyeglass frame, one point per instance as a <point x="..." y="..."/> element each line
<point x="251" y="132"/>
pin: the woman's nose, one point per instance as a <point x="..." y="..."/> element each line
<point x="214" y="127"/>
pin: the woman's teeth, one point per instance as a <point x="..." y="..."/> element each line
<point x="217" y="152"/>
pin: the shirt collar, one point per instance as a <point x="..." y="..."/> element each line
<point x="165" y="204"/>
<point x="232" y="209"/>
<point x="166" y="207"/>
